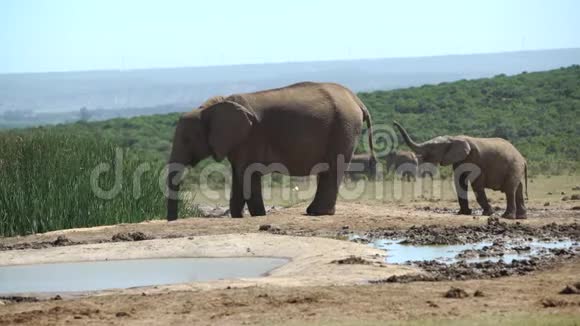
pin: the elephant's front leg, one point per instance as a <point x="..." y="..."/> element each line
<point x="461" y="189"/>
<point x="237" y="200"/>
<point x="483" y="202"/>
<point x="256" y="202"/>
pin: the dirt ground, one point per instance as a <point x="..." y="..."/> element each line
<point x="518" y="299"/>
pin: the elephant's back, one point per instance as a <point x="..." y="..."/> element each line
<point x="306" y="124"/>
<point x="502" y="164"/>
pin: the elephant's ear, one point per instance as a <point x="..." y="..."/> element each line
<point x="228" y="124"/>
<point x="456" y="152"/>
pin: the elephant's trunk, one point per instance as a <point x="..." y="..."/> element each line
<point x="414" y="146"/>
<point x="173" y="181"/>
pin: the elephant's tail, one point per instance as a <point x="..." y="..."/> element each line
<point x="526" y="176"/>
<point x="369" y="121"/>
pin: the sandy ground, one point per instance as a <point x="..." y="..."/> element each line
<point x="310" y="259"/>
<point x="307" y="290"/>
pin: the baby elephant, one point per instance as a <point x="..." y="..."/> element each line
<point x="403" y="163"/>
<point x="491" y="163"/>
<point x="362" y="164"/>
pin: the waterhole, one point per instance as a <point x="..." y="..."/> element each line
<point x="101" y="275"/>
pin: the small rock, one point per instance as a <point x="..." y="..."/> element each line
<point x="345" y="227"/>
<point x="549" y="193"/>
<point x="563" y="193"/>
<point x="432" y="304"/>
<point x="576" y="208"/>
<point x="577" y="188"/>
<point x="61" y="240"/>
<point x="575" y="197"/>
<point x="456" y="293"/>
<point x="493" y="220"/>
<point x="270" y="228"/>
<point x="121" y="314"/>
<point x="57" y="297"/>
<point x="547" y="203"/>
<point x="571" y="289"/>
<point x="565" y="198"/>
<point x="130" y="236"/>
<point x="264" y="227"/>
<point x="478" y="293"/>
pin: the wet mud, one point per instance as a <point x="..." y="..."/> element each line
<point x="493" y="230"/>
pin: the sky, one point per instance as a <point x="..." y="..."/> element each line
<point x="69" y="35"/>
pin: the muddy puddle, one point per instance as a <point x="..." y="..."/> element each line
<point x="101" y="275"/>
<point x="400" y="252"/>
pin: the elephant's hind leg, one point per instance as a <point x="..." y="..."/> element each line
<point x="510" y="211"/>
<point x="256" y="202"/>
<point x="520" y="204"/>
<point x="326" y="192"/>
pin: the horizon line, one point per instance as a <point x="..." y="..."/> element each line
<point x="279" y="62"/>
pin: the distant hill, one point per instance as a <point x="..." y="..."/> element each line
<point x="35" y="97"/>
<point x="539" y="112"/>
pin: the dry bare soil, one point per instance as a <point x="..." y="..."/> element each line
<point x="320" y="295"/>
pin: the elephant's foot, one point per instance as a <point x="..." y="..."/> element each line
<point x="318" y="212"/>
<point x="509" y="215"/>
<point x="235" y="213"/>
<point x="257" y="210"/>
<point x="466" y="211"/>
<point x="521" y="215"/>
<point x="487" y="212"/>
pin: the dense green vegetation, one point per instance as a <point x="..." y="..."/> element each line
<point x="50" y="181"/>
<point x="538" y="112"/>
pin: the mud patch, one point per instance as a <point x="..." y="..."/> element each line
<point x="352" y="260"/>
<point x="555" y="303"/>
<point x="571" y="289"/>
<point x="271" y="229"/>
<point x="437" y="271"/>
<point x="456" y="293"/>
<point x="21" y="299"/>
<point x="130" y="236"/>
<point x="494" y="229"/>
<point x="60" y="241"/>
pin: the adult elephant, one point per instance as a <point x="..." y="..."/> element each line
<point x="302" y="129"/>
<point x="492" y="163"/>
<point x="404" y="163"/>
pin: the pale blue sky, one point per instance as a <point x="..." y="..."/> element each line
<point x="64" y="35"/>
